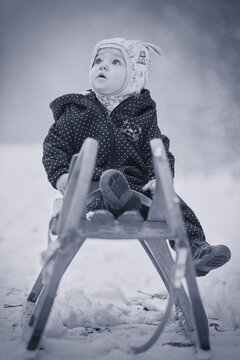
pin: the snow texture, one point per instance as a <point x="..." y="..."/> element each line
<point x="111" y="296"/>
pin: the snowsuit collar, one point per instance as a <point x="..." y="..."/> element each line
<point x="138" y="104"/>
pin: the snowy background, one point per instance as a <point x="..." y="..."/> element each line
<point x="106" y="299"/>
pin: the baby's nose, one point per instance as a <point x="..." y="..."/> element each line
<point x="104" y="66"/>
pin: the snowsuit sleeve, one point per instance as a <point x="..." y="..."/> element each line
<point x="58" y="147"/>
<point x="153" y="132"/>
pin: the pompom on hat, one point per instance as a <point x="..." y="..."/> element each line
<point x="137" y="56"/>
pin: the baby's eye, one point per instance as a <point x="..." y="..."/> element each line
<point x="97" y="61"/>
<point x="116" y="62"/>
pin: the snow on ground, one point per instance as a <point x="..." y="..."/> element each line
<point x="105" y="301"/>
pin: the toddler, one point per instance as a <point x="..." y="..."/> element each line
<point x="120" y="114"/>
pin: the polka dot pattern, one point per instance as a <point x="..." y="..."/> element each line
<point x="78" y="116"/>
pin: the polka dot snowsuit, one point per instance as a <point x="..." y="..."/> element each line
<point x="123" y="138"/>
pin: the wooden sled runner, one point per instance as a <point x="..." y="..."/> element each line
<point x="164" y="222"/>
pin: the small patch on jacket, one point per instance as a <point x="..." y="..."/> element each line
<point x="132" y="131"/>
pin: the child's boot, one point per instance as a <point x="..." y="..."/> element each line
<point x="207" y="257"/>
<point x="116" y="193"/>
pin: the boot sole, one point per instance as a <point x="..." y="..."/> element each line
<point x="114" y="188"/>
<point x="212" y="261"/>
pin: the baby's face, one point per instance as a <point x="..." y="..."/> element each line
<point x="109" y="71"/>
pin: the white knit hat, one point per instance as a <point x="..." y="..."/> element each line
<point x="137" y="56"/>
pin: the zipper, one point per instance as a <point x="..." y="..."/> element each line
<point x="111" y="137"/>
<point x="112" y="141"/>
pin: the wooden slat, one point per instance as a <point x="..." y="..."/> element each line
<point x="168" y="199"/>
<point x="77" y="189"/>
<point x="114" y="229"/>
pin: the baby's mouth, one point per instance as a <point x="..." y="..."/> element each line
<point x="101" y="76"/>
